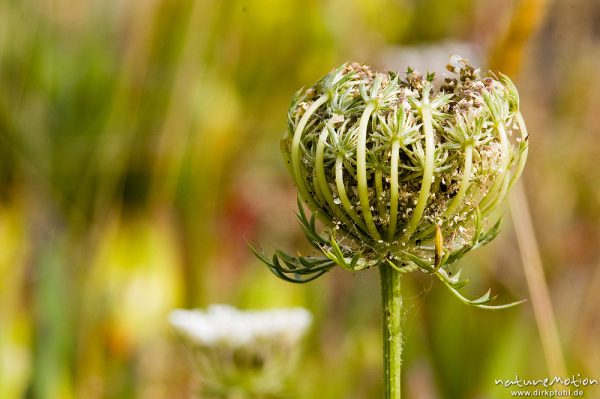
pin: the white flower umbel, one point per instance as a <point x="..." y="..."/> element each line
<point x="242" y="354"/>
<point x="228" y="325"/>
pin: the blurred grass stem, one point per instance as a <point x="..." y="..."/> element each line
<point x="175" y="131"/>
<point x="507" y="53"/>
<point x="534" y="273"/>
<point x="507" y="56"/>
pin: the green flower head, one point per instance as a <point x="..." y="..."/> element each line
<point x="401" y="170"/>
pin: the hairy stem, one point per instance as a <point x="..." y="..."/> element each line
<point x="391" y="300"/>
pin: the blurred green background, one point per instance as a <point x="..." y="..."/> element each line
<point x="139" y="149"/>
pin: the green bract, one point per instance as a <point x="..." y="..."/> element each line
<point x="400" y="171"/>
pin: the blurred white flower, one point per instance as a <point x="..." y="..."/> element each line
<point x="226" y="324"/>
<point x="242" y="353"/>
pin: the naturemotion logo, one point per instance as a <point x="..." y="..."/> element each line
<point x="548" y="386"/>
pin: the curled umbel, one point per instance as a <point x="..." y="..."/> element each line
<point x="401" y="169"/>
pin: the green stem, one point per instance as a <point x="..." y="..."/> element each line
<point x="380" y="196"/>
<point x="339" y="182"/>
<point x="361" y="172"/>
<point x="393" y="190"/>
<point x="523" y="154"/>
<point x="427" y="173"/>
<point x="322" y="186"/>
<point x="499" y="186"/>
<point x="319" y="196"/>
<point x="391" y="300"/>
<point x="296" y="155"/>
<point x="457" y="202"/>
<point x="321" y="179"/>
<point x="464" y="184"/>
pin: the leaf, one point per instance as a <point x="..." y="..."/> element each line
<point x="299" y="269"/>
<point x="477" y="227"/>
<point x="309" y="227"/>
<point x="454" y="281"/>
<point x="489" y="235"/>
<point x="453" y="257"/>
<point x="482" y="302"/>
<point x="419" y="262"/>
<point x="341" y="256"/>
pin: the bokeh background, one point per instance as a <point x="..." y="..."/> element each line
<point x="139" y="150"/>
